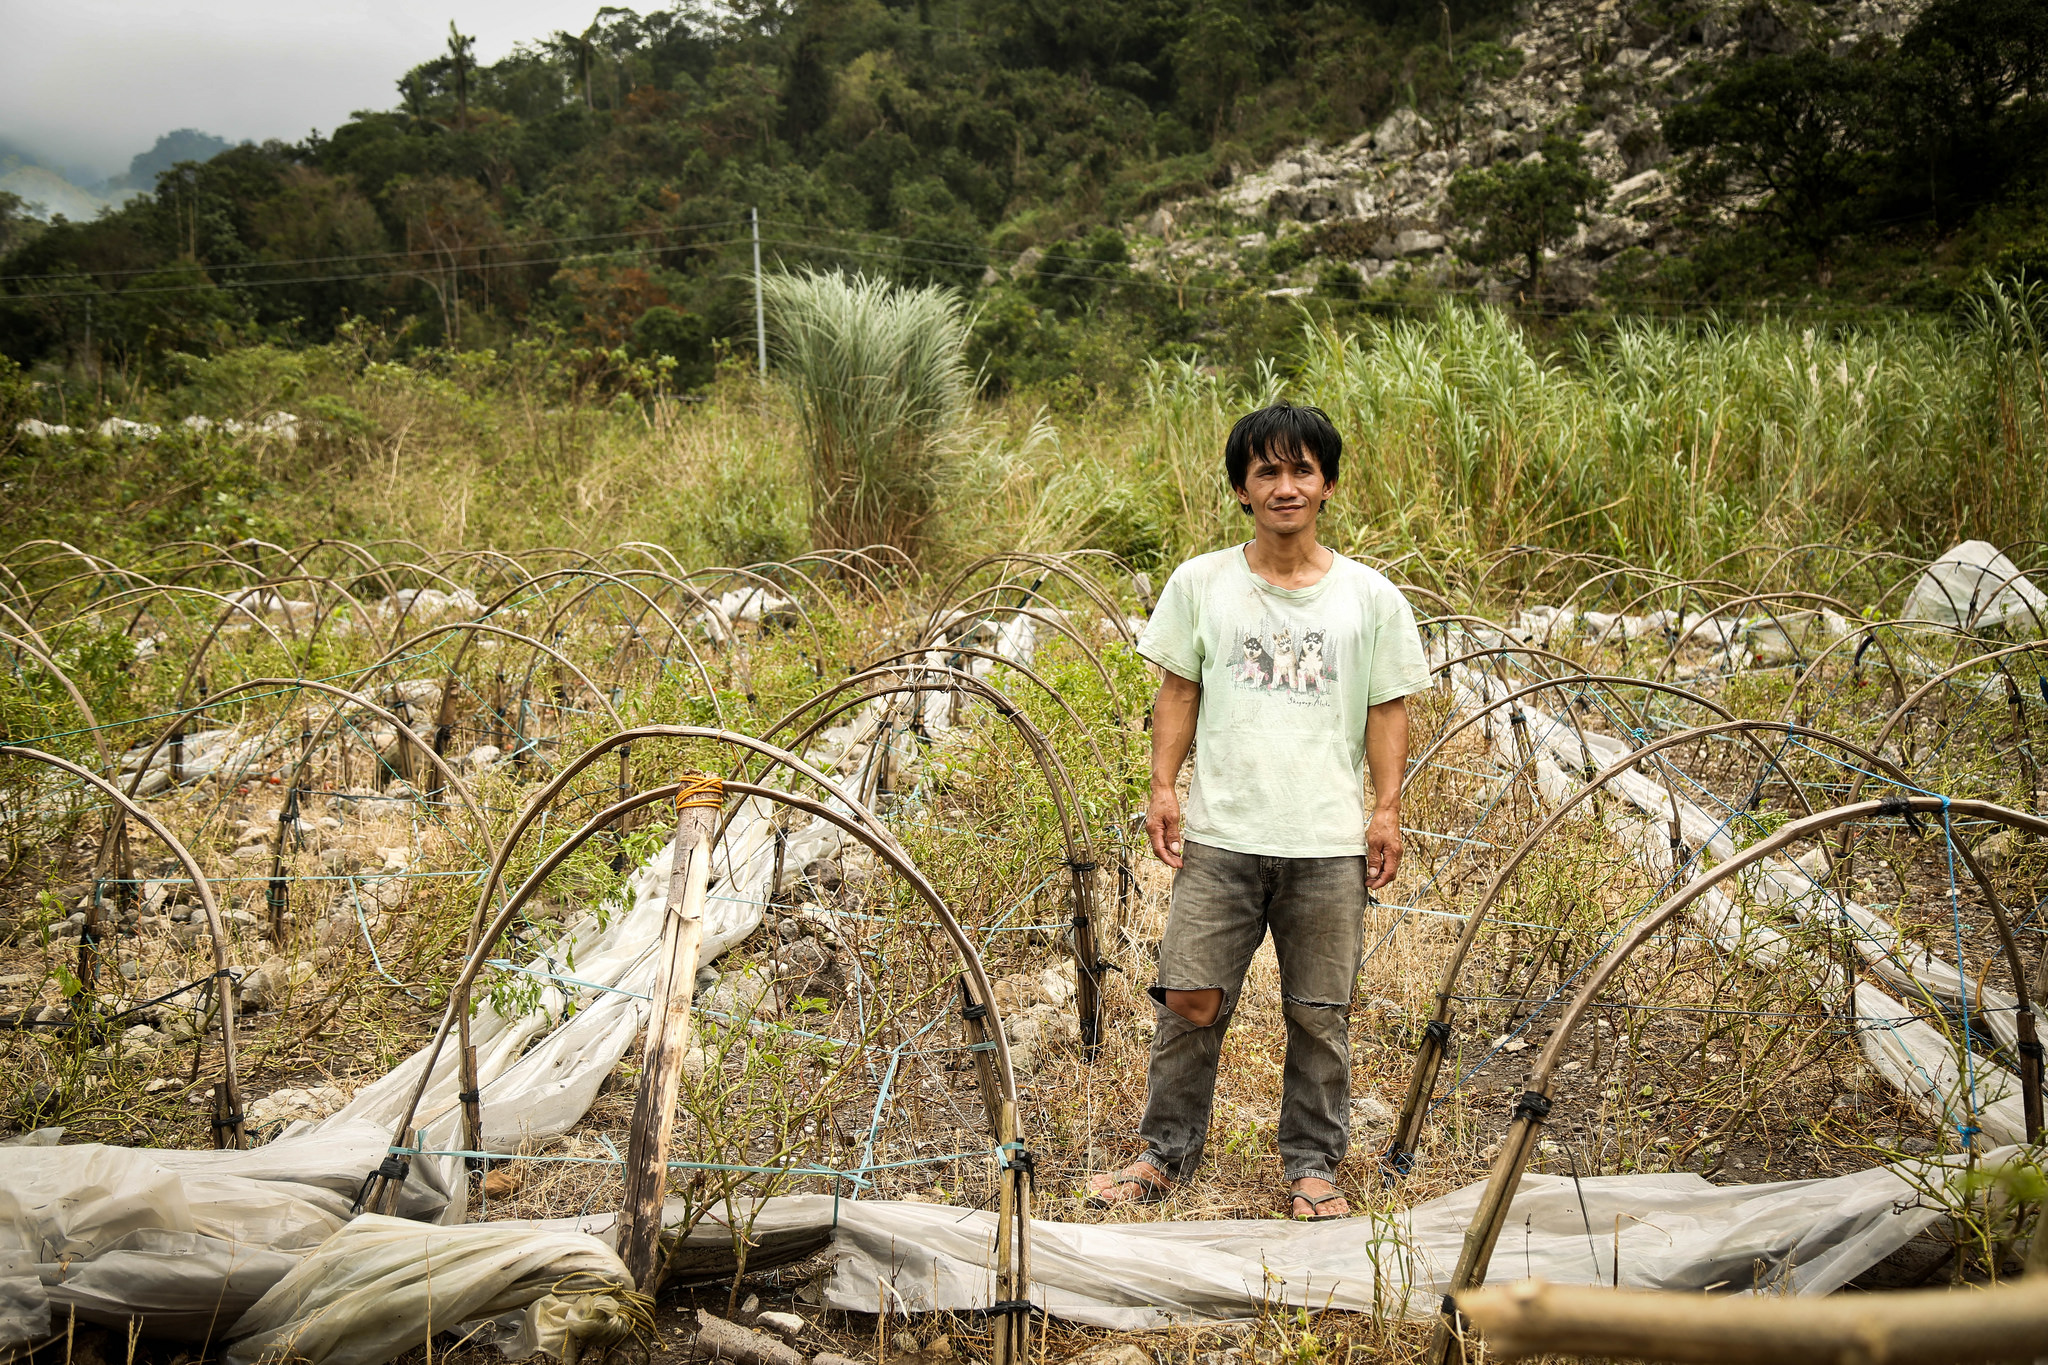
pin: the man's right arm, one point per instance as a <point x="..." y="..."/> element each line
<point x="1173" y="733"/>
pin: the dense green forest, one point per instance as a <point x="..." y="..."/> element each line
<point x="593" y="190"/>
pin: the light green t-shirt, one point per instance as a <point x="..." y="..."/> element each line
<point x="1286" y="677"/>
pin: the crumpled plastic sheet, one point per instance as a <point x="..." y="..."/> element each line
<point x="1672" y="1232"/>
<point x="539" y="1076"/>
<point x="188" y="1240"/>
<point x="379" y="1286"/>
<point x="1973" y="586"/>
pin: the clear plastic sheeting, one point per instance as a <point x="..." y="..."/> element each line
<point x="1674" y="1232"/>
<point x="380" y="1286"/>
<point x="184" y="1240"/>
<point x="540" y="1071"/>
<point x="1972" y="587"/>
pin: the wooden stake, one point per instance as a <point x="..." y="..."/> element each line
<point x="668" y="1037"/>
<point x="1907" y="1327"/>
<point x="472" y="1099"/>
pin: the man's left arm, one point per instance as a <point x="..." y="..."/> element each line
<point x="1386" y="758"/>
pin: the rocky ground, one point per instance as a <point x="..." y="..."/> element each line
<point x="1601" y="73"/>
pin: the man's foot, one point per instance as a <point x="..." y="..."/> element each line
<point x="1313" y="1199"/>
<point x="1138" y="1183"/>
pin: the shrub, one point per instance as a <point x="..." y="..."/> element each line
<point x="880" y="386"/>
<point x="1521" y="209"/>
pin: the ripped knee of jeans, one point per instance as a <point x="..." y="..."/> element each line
<point x="1315" y="1012"/>
<point x="1200" y="1007"/>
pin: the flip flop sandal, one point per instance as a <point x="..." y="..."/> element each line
<point x="1150" y="1191"/>
<point x="1315" y="1202"/>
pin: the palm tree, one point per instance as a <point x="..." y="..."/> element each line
<point x="461" y="46"/>
<point x="579" y="51"/>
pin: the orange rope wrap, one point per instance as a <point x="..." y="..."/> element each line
<point x="701" y="791"/>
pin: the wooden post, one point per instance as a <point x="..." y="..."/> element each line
<point x="668" y="1036"/>
<point x="1907" y="1327"/>
<point x="472" y="1101"/>
<point x="1087" y="961"/>
<point x="1480" y="1237"/>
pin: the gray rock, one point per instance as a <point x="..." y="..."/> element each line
<point x="1999" y="847"/>
<point x="1370" y="1113"/>
<point x="1121" y="1353"/>
<point x="339" y="861"/>
<point x="1401" y="133"/>
<point x="801" y="960"/>
<point x="788" y="1326"/>
<point x="1416" y="242"/>
<point x="824" y="874"/>
<point x="744" y="994"/>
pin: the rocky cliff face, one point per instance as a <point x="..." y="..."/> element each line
<point x="1598" y="71"/>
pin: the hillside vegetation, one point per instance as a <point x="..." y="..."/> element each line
<point x="518" y="307"/>
<point x="596" y="187"/>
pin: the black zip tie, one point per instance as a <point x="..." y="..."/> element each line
<point x="229" y="1120"/>
<point x="1437" y="1031"/>
<point x="1082" y="864"/>
<point x="974" y="1011"/>
<point x="1449" y="1307"/>
<point x="1899" y="805"/>
<point x="1532" y="1105"/>
<point x="392" y="1168"/>
<point x="1006" y="1307"/>
<point x="469" y="1096"/>
<point x="2032" y="1049"/>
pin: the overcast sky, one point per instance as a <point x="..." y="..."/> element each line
<point x="92" y="82"/>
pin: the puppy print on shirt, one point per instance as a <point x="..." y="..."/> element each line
<point x="1309" y="669"/>
<point x="1255" y="666"/>
<point x="1285" y="660"/>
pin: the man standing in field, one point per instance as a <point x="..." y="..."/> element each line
<point x="1286" y="666"/>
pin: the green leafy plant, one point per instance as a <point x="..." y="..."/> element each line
<point x="880" y="387"/>
<point x="1521" y="210"/>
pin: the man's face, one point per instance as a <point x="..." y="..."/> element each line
<point x="1285" y="490"/>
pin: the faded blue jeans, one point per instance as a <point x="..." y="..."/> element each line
<point x="1223" y="904"/>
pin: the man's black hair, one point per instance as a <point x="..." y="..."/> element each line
<point x="1282" y="429"/>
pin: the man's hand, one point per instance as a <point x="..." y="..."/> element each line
<point x="1162" y="825"/>
<point x="1386" y="756"/>
<point x="1382" y="848"/>
<point x="1173" y="732"/>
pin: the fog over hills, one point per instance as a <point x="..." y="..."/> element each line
<point x="49" y="188"/>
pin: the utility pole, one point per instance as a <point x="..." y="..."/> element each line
<point x="760" y="317"/>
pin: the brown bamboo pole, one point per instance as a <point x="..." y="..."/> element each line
<point x="1907" y="1327"/>
<point x="1006" y="1340"/>
<point x="668" y="1036"/>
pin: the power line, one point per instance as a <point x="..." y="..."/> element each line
<point x="526" y="243"/>
<point x="413" y="273"/>
<point x="1545" y="304"/>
